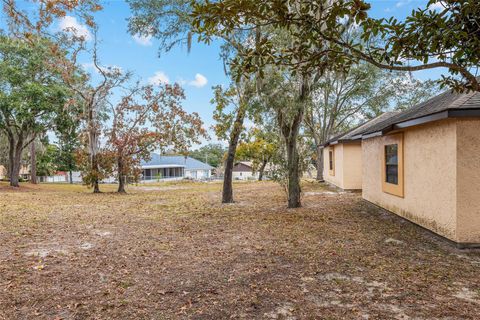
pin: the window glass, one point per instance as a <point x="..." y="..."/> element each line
<point x="330" y="159"/>
<point x="391" y="163"/>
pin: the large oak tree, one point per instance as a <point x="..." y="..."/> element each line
<point x="32" y="95"/>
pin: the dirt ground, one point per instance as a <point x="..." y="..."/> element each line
<point x="172" y="251"/>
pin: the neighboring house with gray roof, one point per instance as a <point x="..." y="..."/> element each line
<point x="424" y="165"/>
<point x="163" y="167"/>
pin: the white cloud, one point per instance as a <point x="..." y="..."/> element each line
<point x="159" y="78"/>
<point x="70" y="24"/>
<point x="181" y="81"/>
<point x="88" y="66"/>
<point x="143" y="40"/>
<point x="402" y="3"/>
<point x="437" y="6"/>
<point x="199" y="82"/>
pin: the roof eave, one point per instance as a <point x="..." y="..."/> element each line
<point x="421" y="120"/>
<point x="161" y="166"/>
<point x="357" y="137"/>
<point x="464" y="113"/>
<point x="373" y="134"/>
<point x="446" y="114"/>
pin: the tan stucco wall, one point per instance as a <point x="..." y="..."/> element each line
<point x="348" y="166"/>
<point x="468" y="181"/>
<point x="352" y="166"/>
<point x="336" y="179"/>
<point x="430" y="154"/>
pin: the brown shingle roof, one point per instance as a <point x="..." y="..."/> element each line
<point x="355" y="133"/>
<point x="447" y="101"/>
<point x="445" y="105"/>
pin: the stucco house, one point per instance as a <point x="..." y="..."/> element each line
<point x="162" y="167"/>
<point x="424" y="165"/>
<point x="342" y="156"/>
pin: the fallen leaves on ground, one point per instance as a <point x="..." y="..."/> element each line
<point x="173" y="251"/>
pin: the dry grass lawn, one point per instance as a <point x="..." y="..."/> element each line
<point x="172" y="251"/>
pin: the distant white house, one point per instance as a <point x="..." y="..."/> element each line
<point x="62" y="176"/>
<point x="174" y="168"/>
<point x="243" y="170"/>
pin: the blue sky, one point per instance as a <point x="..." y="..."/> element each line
<point x="198" y="70"/>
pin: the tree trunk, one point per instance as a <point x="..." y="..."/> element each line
<point x="15" y="158"/>
<point x="70" y="176"/>
<point x="93" y="134"/>
<point x="121" y="177"/>
<point x="227" y="193"/>
<point x="95" y="169"/>
<point x="11" y="159"/>
<point x="262" y="170"/>
<point x="319" y="164"/>
<point x="96" y="188"/>
<point x="294" y="190"/>
<point x="290" y="132"/>
<point x="33" y="163"/>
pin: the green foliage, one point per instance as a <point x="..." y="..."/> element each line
<point x="319" y="37"/>
<point x="448" y="36"/>
<point x="342" y="100"/>
<point x="240" y="97"/>
<point x="47" y="161"/>
<point x="166" y="20"/>
<point x="65" y="159"/>
<point x="213" y="154"/>
<point x="172" y="23"/>
<point x="223" y="99"/>
<point x="67" y="130"/>
<point x="259" y="147"/>
<point x="305" y="23"/>
<point x="3" y="150"/>
<point x="32" y="93"/>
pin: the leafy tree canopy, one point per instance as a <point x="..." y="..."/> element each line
<point x="212" y="153"/>
<point x="259" y="147"/>
<point x="32" y="94"/>
<point x="47" y="160"/>
<point x="426" y="39"/>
